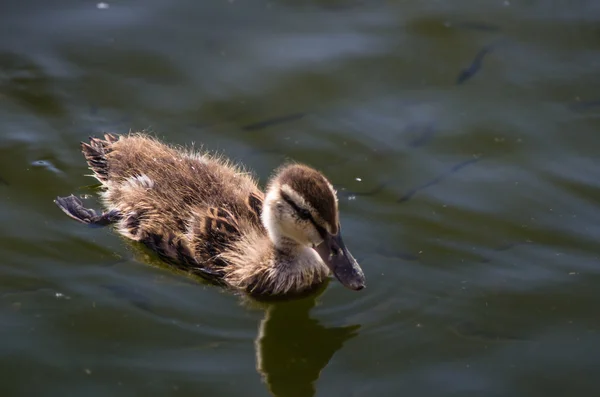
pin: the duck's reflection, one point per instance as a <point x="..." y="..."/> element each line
<point x="292" y="348"/>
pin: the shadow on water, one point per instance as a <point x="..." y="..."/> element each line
<point x="292" y="348"/>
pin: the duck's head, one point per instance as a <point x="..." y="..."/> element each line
<point x="301" y="208"/>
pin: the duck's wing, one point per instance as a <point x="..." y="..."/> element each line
<point x="221" y="221"/>
<point x="216" y="229"/>
<point x="223" y="225"/>
<point x="176" y="250"/>
<point x="211" y="232"/>
<point x="254" y="202"/>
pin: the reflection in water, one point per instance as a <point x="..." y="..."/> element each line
<point x="292" y="348"/>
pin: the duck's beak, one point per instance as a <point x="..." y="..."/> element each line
<point x="336" y="256"/>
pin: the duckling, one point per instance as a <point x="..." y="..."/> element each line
<point x="205" y="215"/>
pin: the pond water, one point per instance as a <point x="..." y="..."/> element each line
<point x="463" y="138"/>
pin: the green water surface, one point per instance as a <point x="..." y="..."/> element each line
<point x="472" y="208"/>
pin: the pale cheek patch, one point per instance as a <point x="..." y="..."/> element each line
<point x="302" y="231"/>
<point x="292" y="227"/>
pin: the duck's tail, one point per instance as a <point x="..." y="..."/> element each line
<point x="95" y="154"/>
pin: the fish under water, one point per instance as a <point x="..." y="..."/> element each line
<point x="407" y="196"/>
<point x="506" y="247"/>
<point x="475" y="65"/>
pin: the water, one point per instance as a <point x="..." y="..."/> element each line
<point x="472" y="207"/>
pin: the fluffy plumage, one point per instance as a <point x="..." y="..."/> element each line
<point x="205" y="215"/>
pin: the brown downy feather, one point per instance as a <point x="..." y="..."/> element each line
<point x="198" y="212"/>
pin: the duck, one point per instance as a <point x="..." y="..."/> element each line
<point x="205" y="215"/>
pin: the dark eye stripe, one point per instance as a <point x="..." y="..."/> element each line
<point x="288" y="200"/>
<point x="299" y="211"/>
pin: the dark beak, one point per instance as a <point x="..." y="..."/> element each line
<point x="336" y="256"/>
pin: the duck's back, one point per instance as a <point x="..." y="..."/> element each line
<point x="186" y="206"/>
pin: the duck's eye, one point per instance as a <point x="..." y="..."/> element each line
<point x="304" y="214"/>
